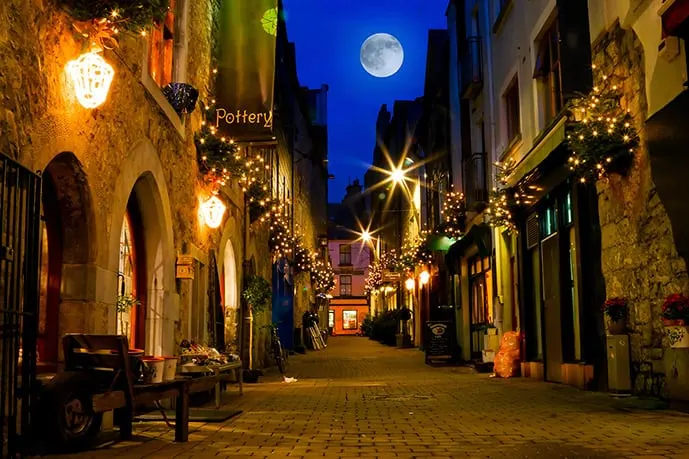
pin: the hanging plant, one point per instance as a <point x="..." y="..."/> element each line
<point x="601" y="137"/>
<point x="303" y="258"/>
<point x="504" y="201"/>
<point x="258" y="294"/>
<point x="281" y="241"/>
<point x="414" y="253"/>
<point x="322" y="277"/>
<point x="454" y="216"/>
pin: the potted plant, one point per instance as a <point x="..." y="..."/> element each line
<point x="124" y="304"/>
<point x="258" y="295"/>
<point x="615" y="309"/>
<point x="675" y="315"/>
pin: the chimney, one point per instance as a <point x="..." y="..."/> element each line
<point x="354" y="199"/>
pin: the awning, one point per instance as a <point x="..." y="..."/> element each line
<point x="480" y="236"/>
<point x="439" y="243"/>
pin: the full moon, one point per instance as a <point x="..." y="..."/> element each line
<point x="381" y="55"/>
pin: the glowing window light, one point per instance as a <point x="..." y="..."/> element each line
<point x="213" y="210"/>
<point x="409" y="283"/>
<point x="92" y="77"/>
<point x="424" y="277"/>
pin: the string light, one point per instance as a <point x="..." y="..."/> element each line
<point x="603" y="134"/>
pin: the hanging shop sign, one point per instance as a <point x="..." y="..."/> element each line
<point x="185" y="267"/>
<point x="246" y="69"/>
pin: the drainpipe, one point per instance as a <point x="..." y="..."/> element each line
<point x="179" y="72"/>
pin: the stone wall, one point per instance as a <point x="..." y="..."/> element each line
<point x="639" y="259"/>
<point x="130" y="141"/>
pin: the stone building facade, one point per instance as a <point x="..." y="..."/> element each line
<point x="639" y="258"/>
<point x="122" y="187"/>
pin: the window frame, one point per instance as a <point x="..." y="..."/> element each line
<point x="345" y="255"/>
<point x="512" y="110"/>
<point x="345" y="284"/>
<point x="548" y="72"/>
<point x="345" y="323"/>
<point x="161" y="47"/>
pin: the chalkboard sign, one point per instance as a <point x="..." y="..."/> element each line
<point x="439" y="340"/>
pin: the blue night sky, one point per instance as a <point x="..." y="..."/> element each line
<point x="328" y="35"/>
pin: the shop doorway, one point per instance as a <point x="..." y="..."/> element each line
<point x="550" y="249"/>
<point x="131" y="278"/>
<point x="216" y="316"/>
<point x="480" y="299"/>
<point x="230" y="297"/>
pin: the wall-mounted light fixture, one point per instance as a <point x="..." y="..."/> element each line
<point x="212" y="211"/>
<point x="91" y="76"/>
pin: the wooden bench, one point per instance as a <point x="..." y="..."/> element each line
<point x="105" y="360"/>
<point x="221" y="373"/>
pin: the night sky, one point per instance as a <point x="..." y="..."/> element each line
<point x="328" y="35"/>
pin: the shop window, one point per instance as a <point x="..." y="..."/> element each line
<point x="511" y="103"/>
<point x="331" y="319"/>
<point x="567" y="214"/>
<point x="548" y="221"/>
<point x="161" y="48"/>
<point x="548" y="73"/>
<point x="345" y="254"/>
<point x="345" y="285"/>
<point x="349" y="320"/>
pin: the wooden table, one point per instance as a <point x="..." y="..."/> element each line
<point x="221" y="373"/>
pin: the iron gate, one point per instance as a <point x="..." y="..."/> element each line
<point x="20" y="210"/>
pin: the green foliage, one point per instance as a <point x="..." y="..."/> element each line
<point x="384" y="327"/>
<point x="258" y="294"/>
<point x="414" y="253"/>
<point x="131" y="15"/>
<point x="367" y="326"/>
<point x="125" y="303"/>
<point x="602" y="136"/>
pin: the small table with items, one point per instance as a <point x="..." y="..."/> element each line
<point x="197" y="361"/>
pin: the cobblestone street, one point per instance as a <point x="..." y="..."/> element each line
<point x="361" y="399"/>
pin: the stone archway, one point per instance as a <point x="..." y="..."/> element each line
<point x="67" y="300"/>
<point x="142" y="181"/>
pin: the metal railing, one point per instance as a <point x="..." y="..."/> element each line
<point x="20" y="212"/>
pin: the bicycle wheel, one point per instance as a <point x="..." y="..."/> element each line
<point x="279" y="358"/>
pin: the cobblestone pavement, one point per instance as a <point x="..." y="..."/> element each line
<point x="361" y="399"/>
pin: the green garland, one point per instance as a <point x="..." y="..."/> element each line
<point x="602" y="137"/>
<point x="322" y="277"/>
<point x="386" y="262"/>
<point x="414" y="253"/>
<point x="503" y="201"/>
<point x="131" y="15"/>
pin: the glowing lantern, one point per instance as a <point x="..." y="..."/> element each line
<point x="424" y="277"/>
<point x="409" y="283"/>
<point x="213" y="210"/>
<point x="92" y="77"/>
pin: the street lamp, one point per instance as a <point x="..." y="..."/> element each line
<point x="424" y="277"/>
<point x="397" y="175"/>
<point x="409" y="283"/>
<point x="366" y="236"/>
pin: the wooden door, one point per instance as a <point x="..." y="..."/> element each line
<point x="550" y="250"/>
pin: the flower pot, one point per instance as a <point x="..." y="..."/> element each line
<point x="155" y="369"/>
<point x="170" y="368"/>
<point x="678" y="336"/>
<point x="617" y="327"/>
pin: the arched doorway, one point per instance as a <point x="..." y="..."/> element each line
<point x="67" y="247"/>
<point x="231" y="296"/>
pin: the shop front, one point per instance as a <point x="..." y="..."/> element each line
<point x="559" y="253"/>
<point x="346" y="315"/>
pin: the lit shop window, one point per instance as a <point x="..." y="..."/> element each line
<point x="349" y="321"/>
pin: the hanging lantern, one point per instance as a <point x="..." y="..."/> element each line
<point x="92" y="77"/>
<point x="213" y="210"/>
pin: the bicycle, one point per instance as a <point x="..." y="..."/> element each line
<point x="279" y="353"/>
